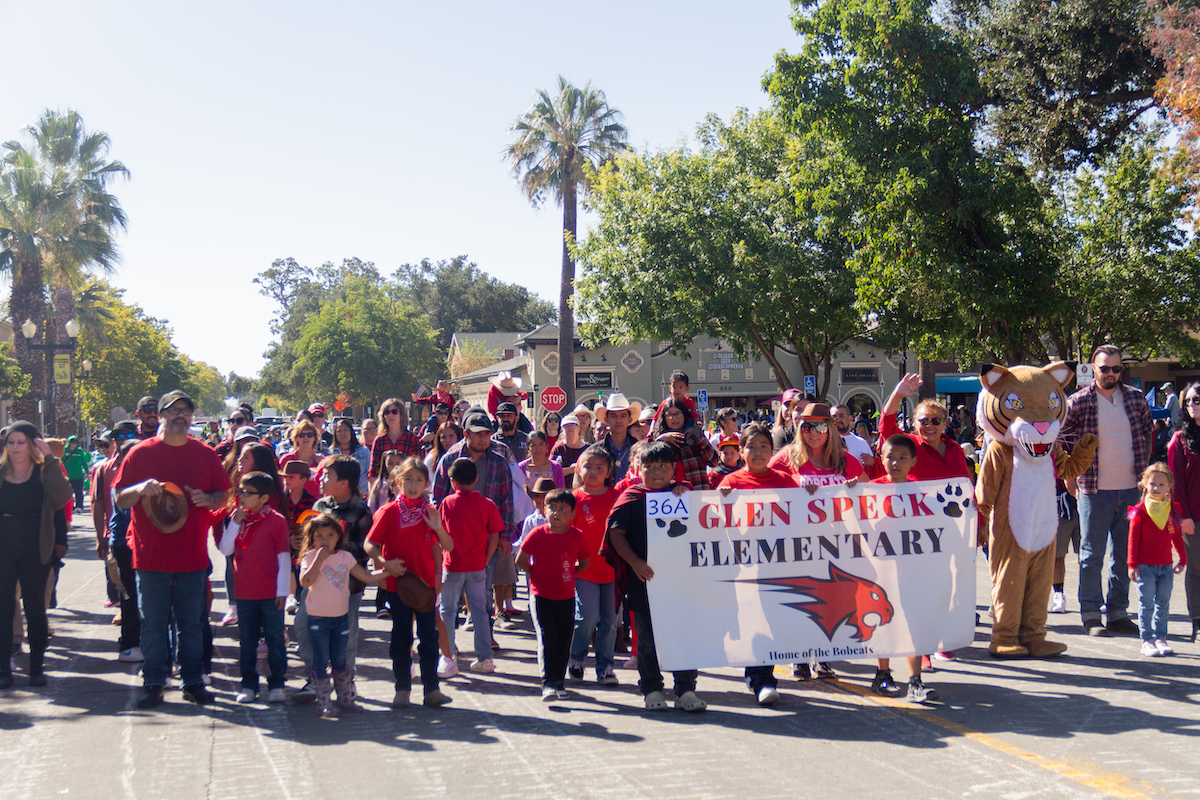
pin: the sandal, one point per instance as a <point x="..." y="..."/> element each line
<point x="690" y="703"/>
<point x="656" y="701"/>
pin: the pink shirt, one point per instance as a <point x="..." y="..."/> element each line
<point x="329" y="595"/>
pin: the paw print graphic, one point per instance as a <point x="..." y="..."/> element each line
<point x="677" y="528"/>
<point x="954" y="500"/>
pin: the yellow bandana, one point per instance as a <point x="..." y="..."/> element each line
<point x="1159" y="511"/>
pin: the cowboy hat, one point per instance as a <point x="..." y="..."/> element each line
<point x="506" y="383"/>
<point x="580" y="412"/>
<point x="816" y="411"/>
<point x="167" y="510"/>
<point x="617" y="402"/>
<point x="415" y="593"/>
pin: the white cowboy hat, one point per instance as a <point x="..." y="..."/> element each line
<point x="506" y="383"/>
<point x="617" y="402"/>
<point x="582" y="411"/>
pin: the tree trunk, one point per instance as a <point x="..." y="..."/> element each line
<point x="64" y="399"/>
<point x="566" y="318"/>
<point x="767" y="349"/>
<point x="28" y="302"/>
<point x="929" y="379"/>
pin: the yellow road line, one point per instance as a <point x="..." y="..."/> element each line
<point x="1107" y="782"/>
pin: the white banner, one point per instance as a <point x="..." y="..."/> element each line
<point x="761" y="577"/>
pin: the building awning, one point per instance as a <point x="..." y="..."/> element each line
<point x="958" y="384"/>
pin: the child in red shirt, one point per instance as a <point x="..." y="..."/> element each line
<point x="407" y="535"/>
<point x="898" y="455"/>
<point x="553" y="554"/>
<point x="474" y="523"/>
<point x="257" y="538"/>
<point x="1153" y="528"/>
<point x="595" y="587"/>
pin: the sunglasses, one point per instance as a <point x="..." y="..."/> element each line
<point x="246" y="492"/>
<point x="930" y="421"/>
<point x="308" y="435"/>
<point x="121" y="437"/>
<point x="1111" y="370"/>
<point x="1192" y="401"/>
<point x="391" y="411"/>
<point x="814" y="427"/>
<point x="236" y="421"/>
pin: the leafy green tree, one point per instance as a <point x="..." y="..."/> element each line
<point x="557" y="140"/>
<point x="204" y="384"/>
<point x="734" y="241"/>
<point x="13" y="381"/>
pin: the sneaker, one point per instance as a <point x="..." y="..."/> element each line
<point x="607" y="677"/>
<point x="1123" y="627"/>
<point x="945" y="655"/>
<point x="1093" y="627"/>
<point x="690" y="703"/>
<point x="548" y="694"/>
<point x="484" y="666"/>
<point x="109" y="603"/>
<point x="884" y="683"/>
<point x="825" y="671"/>
<point x="1149" y="650"/>
<point x="400" y="699"/>
<point x="656" y="701"/>
<point x="384" y="614"/>
<point x="276" y="695"/>
<point x="151" y="697"/>
<point x="307" y="694"/>
<point x="133" y="654"/>
<point x="918" y="692"/>
<point x="768" y="696"/>
<point x="575" y="670"/>
<point x="802" y="672"/>
<point x="199" y="694"/>
<point x="468" y="626"/>
<point x="246" y="696"/>
<point x="447" y="667"/>
<point x="561" y="692"/>
<point x="436" y="698"/>
<point x="926" y="663"/>
<point x="230" y="617"/>
<point x="1164" y="649"/>
<point x="630" y="663"/>
<point x="206" y="679"/>
<point x="1058" y="603"/>
<point x="292" y="605"/>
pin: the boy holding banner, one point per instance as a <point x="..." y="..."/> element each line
<point x="626" y="550"/>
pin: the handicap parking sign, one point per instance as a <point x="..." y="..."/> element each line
<point x="702" y="400"/>
<point x="810" y="384"/>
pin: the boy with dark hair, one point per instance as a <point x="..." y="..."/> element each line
<point x="680" y="384"/>
<point x="553" y="554"/>
<point x="627" y="542"/>
<point x="473" y="522"/>
<point x="257" y="538"/>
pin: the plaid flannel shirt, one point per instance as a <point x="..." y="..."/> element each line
<point x="407" y="443"/>
<point x="697" y="456"/>
<point x="494" y="483"/>
<point x="1083" y="418"/>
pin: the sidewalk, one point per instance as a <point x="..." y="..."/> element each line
<point x="1099" y="721"/>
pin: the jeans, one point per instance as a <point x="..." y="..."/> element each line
<point x="21" y="563"/>
<point x="1103" y="525"/>
<point x="160" y="594"/>
<point x="131" y="625"/>
<point x="260" y="618"/>
<point x="650" y="677"/>
<point x="77" y="487"/>
<point x="1191" y="576"/>
<point x="1154" y="588"/>
<point x="304" y="646"/>
<point x="401" y="646"/>
<point x="329" y="637"/>
<point x="475" y="585"/>
<point x="555" y="619"/>
<point x="595" y="610"/>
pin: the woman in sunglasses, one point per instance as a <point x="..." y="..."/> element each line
<point x="694" y="454"/>
<point x="393" y="435"/>
<point x="305" y="449"/>
<point x="817" y="456"/>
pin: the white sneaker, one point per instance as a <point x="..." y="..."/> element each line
<point x="483" y="666"/>
<point x="768" y="696"/>
<point x="447" y="667"/>
<point x="276" y="696"/>
<point x="1163" y="648"/>
<point x="132" y="654"/>
<point x="246" y="696"/>
<point x="292" y="605"/>
<point x="1058" y="603"/>
<point x="230" y="617"/>
<point x="1149" y="649"/>
<point x="548" y="694"/>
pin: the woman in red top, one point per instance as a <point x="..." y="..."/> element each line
<point x="938" y="456"/>
<point x="818" y="455"/>
<point x="393" y="435"/>
<point x="304" y="438"/>
<point x="1183" y="457"/>
<point x="693" y="453"/>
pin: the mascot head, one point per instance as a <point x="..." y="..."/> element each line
<point x="1023" y="407"/>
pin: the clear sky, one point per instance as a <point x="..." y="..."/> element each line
<point x="258" y="130"/>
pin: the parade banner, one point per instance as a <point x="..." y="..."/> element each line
<point x="757" y="577"/>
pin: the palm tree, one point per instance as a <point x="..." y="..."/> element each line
<point x="556" y="140"/>
<point x="56" y="222"/>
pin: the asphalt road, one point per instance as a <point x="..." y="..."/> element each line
<point x="1099" y="721"/>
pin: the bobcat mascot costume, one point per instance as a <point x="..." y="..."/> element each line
<point x="1022" y="409"/>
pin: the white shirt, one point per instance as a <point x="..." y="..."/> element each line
<point x="857" y="446"/>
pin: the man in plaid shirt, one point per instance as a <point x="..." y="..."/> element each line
<point x="1120" y="416"/>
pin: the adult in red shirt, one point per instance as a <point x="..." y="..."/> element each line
<point x="1183" y="457"/>
<point x="938" y="456"/>
<point x="172" y="568"/>
<point x="817" y="456"/>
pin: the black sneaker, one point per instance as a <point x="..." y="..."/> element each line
<point x="1123" y="627"/>
<point x="151" y="697"/>
<point x="802" y="672"/>
<point x="824" y="671"/>
<point x="884" y="683"/>
<point x="1093" y="627"/>
<point x="575" y="670"/>
<point x="199" y="694"/>
<point x="918" y="692"/>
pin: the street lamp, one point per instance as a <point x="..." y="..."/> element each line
<point x="29" y="330"/>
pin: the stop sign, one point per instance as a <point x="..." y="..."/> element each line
<point x="553" y="398"/>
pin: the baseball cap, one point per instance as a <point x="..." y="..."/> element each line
<point x="148" y="403"/>
<point x="507" y="408"/>
<point x="174" y="397"/>
<point x="316" y="408"/>
<point x="245" y="432"/>
<point x="477" y="420"/>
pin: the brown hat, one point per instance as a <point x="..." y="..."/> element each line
<point x="297" y="467"/>
<point x="415" y="593"/>
<point x="816" y="411"/>
<point x="168" y="510"/>
<point x="542" y="486"/>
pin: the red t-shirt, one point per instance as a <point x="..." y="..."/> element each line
<point x="552" y="558"/>
<point x="591" y="518"/>
<point x="190" y="465"/>
<point x="930" y="464"/>
<point x="810" y="475"/>
<point x="470" y="519"/>
<point x="771" y="479"/>
<point x="256" y="555"/>
<point x="399" y="528"/>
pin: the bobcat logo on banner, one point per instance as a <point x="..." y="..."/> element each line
<point x="779" y="576"/>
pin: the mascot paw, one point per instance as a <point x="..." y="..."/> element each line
<point x="954" y="500"/>
<point x="1045" y="649"/>
<point x="1008" y="651"/>
<point x="1089" y="441"/>
<point x="677" y="527"/>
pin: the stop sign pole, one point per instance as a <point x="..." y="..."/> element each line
<point x="553" y="398"/>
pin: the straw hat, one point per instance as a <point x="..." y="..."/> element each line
<point x="618" y="402"/>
